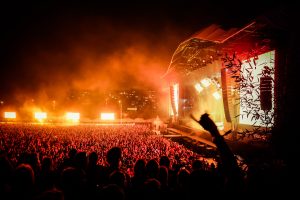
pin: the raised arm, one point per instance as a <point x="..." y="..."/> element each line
<point x="229" y="163"/>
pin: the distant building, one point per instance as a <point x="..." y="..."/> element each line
<point x="135" y="103"/>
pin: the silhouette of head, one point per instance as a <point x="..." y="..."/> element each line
<point x="81" y="160"/>
<point x="152" y="168"/>
<point x="72" y="153"/>
<point x="183" y="177"/>
<point x="140" y="168"/>
<point x="197" y="165"/>
<point x="93" y="158"/>
<point x="164" y="161"/>
<point x="114" y="156"/>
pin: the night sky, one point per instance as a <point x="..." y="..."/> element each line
<point x="50" y="48"/>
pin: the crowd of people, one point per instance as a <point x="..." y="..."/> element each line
<point x="136" y="142"/>
<point x="108" y="162"/>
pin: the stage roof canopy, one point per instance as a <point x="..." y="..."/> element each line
<point x="210" y="43"/>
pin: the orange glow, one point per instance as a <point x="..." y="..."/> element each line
<point x="107" y="116"/>
<point x="176" y="97"/>
<point x="198" y="87"/>
<point x="73" y="117"/>
<point x="40" y="116"/>
<point x="10" y="115"/>
<point x="220" y="125"/>
<point x="217" y="95"/>
<point x="174" y="94"/>
<point x="205" y="82"/>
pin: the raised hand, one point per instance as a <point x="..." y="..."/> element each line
<point x="207" y="123"/>
<point x="194" y="118"/>
<point x="230" y="166"/>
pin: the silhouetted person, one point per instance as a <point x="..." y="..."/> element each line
<point x="6" y="175"/>
<point x="233" y="176"/>
<point x="81" y="161"/>
<point x="152" y="189"/>
<point x="94" y="172"/>
<point x="70" y="161"/>
<point x="139" y="174"/>
<point x="113" y="158"/>
<point x="182" y="189"/>
<point x="24" y="183"/>
<point x="197" y="165"/>
<point x="73" y="182"/>
<point x="118" y="178"/>
<point x="138" y="179"/>
<point x="152" y="169"/>
<point x="47" y="177"/>
<point x="164" y="161"/>
<point x="163" y="178"/>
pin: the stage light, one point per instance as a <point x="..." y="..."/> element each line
<point x="220" y="125"/>
<point x="205" y="82"/>
<point x="176" y="97"/>
<point x="10" y="115"/>
<point x="198" y="87"/>
<point x="217" y="95"/>
<point x="40" y="116"/>
<point x="107" y="116"/>
<point x="73" y="117"/>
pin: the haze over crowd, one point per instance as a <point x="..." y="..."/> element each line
<point x="50" y="48"/>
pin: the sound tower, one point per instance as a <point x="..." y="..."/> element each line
<point x="172" y="100"/>
<point x="225" y="94"/>
<point x="266" y="92"/>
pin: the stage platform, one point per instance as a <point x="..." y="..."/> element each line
<point x="193" y="135"/>
<point x="203" y="139"/>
